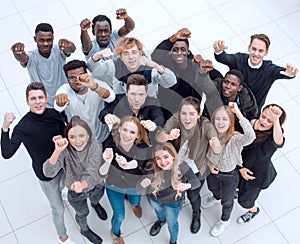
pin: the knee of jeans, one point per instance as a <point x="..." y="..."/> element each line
<point x="58" y="211"/>
<point x="119" y="217"/>
<point x="193" y="196"/>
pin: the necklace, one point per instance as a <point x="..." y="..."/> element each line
<point x="82" y="97"/>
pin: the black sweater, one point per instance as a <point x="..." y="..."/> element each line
<point x="36" y="133"/>
<point x="259" y="80"/>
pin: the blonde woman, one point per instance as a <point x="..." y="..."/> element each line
<point x="170" y="179"/>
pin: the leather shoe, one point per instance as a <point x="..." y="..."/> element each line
<point x="155" y="229"/>
<point x="100" y="211"/>
<point x="137" y="210"/>
<point x="93" y="237"/>
<point x="196" y="222"/>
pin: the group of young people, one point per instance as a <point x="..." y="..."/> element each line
<point x="132" y="125"/>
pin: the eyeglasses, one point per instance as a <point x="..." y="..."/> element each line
<point x="72" y="79"/>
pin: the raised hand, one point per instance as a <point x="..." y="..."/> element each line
<point x="108" y="155"/>
<point x="60" y="143"/>
<point x="205" y="65"/>
<point x="121" y="13"/>
<point x="183" y="33"/>
<point x="18" y="48"/>
<point x="219" y="46"/>
<point x="174" y="134"/>
<point x="77" y="187"/>
<point x="215" y="144"/>
<point x="66" y="46"/>
<point x="122" y="162"/>
<point x="145" y="182"/>
<point x="181" y="187"/>
<point x="62" y="99"/>
<point x="102" y="54"/>
<point x="85" y="24"/>
<point x="111" y="119"/>
<point x="19" y="53"/>
<point x="290" y="70"/>
<point x="9" y="118"/>
<point x="148" y="125"/>
<point x="276" y="112"/>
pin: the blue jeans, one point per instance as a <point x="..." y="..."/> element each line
<point x="79" y="202"/>
<point x="168" y="212"/>
<point x="116" y="197"/>
<point x="52" y="190"/>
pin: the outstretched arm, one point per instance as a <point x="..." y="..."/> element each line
<point x="85" y="39"/>
<point x="277" y="131"/>
<point x="66" y="46"/>
<point x="290" y="70"/>
<point x="128" y="22"/>
<point x="19" y="53"/>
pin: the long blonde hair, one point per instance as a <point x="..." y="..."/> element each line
<point x="230" y="132"/>
<point x="158" y="172"/>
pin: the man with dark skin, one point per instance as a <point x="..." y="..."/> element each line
<point x="45" y="64"/>
<point x="232" y="89"/>
<point x="174" y="53"/>
<point x="105" y="36"/>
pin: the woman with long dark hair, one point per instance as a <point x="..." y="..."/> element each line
<point x="258" y="171"/>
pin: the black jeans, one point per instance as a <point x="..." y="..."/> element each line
<point x="79" y="202"/>
<point x="223" y="186"/>
<point x="194" y="196"/>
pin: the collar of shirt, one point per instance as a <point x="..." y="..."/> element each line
<point x="254" y="67"/>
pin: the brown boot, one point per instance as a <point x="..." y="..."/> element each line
<point x="117" y="239"/>
<point x="137" y="210"/>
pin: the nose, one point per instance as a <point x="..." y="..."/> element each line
<point x="77" y="140"/>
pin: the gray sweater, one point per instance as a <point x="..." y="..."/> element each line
<point x="231" y="154"/>
<point x="78" y="166"/>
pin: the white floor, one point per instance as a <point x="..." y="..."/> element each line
<point x="24" y="212"/>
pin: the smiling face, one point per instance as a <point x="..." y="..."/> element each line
<point x="265" y="120"/>
<point x="257" y="51"/>
<point x="231" y="85"/>
<point x="188" y="116"/>
<point x="128" y="134"/>
<point x="37" y="101"/>
<point x="222" y="122"/>
<point x="131" y="58"/>
<point x="164" y="159"/>
<point x="44" y="41"/>
<point x="179" y="53"/>
<point x="78" y="137"/>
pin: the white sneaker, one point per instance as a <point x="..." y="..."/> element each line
<point x="64" y="195"/>
<point x="68" y="241"/>
<point x="219" y="228"/>
<point x="209" y="201"/>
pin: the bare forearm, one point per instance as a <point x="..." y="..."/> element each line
<point x="85" y="42"/>
<point x="277" y="133"/>
<point x="162" y="136"/>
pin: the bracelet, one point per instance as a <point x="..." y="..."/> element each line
<point x="94" y="89"/>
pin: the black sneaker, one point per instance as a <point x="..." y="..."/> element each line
<point x="100" y="211"/>
<point x="155" y="228"/>
<point x="246" y="218"/>
<point x="91" y="236"/>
